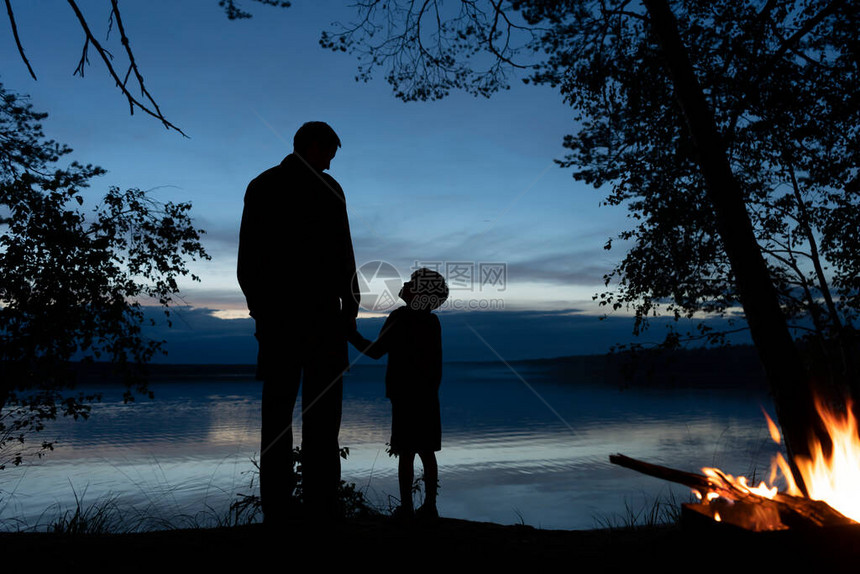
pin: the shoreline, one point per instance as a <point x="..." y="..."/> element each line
<point x="448" y="543"/>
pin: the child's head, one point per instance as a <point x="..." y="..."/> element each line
<point x="426" y="290"/>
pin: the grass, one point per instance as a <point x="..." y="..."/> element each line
<point x="661" y="511"/>
<point x="154" y="508"/>
<point x="109" y="515"/>
<point x="102" y="518"/>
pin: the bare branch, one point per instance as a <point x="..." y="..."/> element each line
<point x="428" y="49"/>
<point x="17" y="38"/>
<point x="106" y="57"/>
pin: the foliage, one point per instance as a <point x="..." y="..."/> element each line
<point x="234" y="12"/>
<point x="782" y="84"/>
<point x="351" y="500"/>
<point x="781" y="77"/>
<point x="74" y="281"/>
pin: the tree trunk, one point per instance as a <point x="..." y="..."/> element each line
<point x="786" y="374"/>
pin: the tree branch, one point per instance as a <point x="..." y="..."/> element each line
<point x="107" y="57"/>
<point x="755" y="76"/>
<point x="17" y="38"/>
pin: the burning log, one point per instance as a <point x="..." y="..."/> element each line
<point x="754" y="508"/>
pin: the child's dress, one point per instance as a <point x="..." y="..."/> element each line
<point x="413" y="341"/>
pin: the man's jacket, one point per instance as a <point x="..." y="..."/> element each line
<point x="295" y="250"/>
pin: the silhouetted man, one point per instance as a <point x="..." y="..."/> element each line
<point x="297" y="270"/>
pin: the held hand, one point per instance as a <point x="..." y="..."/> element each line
<point x="359" y="342"/>
<point x="355" y="338"/>
<point x="349" y="325"/>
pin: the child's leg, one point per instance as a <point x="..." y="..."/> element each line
<point x="406" y="477"/>
<point x="431" y="477"/>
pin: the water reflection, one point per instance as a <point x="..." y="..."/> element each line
<point x="506" y="457"/>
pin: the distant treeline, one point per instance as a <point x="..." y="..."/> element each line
<point x="733" y="366"/>
<point x="99" y="372"/>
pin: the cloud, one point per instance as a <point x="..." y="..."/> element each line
<point x="558" y="268"/>
<point x="197" y="336"/>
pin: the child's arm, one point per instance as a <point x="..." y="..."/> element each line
<point x="372" y="349"/>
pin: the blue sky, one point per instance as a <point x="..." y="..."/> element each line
<point x="460" y="181"/>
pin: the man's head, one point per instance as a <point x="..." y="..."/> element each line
<point x="317" y="143"/>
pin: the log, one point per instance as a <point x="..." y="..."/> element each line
<point x="795" y="510"/>
<point x="694" y="481"/>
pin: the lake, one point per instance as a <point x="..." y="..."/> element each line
<point x="521" y="444"/>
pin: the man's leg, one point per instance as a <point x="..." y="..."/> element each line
<point x="280" y="389"/>
<point x="322" y="398"/>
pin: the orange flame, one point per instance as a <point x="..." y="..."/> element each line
<point x="721" y="480"/>
<point x="771" y="426"/>
<point x="833" y="478"/>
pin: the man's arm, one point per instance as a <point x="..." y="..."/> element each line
<point x="250" y="263"/>
<point x="351" y="295"/>
<point x="349" y="292"/>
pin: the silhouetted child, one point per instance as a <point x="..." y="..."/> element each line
<point x="412" y="337"/>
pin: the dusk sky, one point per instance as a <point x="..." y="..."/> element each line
<point x="460" y="182"/>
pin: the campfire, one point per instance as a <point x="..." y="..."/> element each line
<point x="831" y="475"/>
